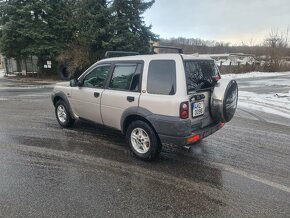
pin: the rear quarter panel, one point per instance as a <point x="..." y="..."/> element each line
<point x="167" y="105"/>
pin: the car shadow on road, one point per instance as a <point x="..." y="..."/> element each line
<point x="103" y="143"/>
<point x="174" y="160"/>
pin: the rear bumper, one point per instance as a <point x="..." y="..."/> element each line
<point x="183" y="141"/>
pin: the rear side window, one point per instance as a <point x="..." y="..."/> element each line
<point x="162" y="77"/>
<point x="122" y="76"/>
<point x="199" y="74"/>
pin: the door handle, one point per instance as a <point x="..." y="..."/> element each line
<point x="96" y="94"/>
<point x="130" y="98"/>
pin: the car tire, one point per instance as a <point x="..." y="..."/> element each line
<point x="62" y="114"/>
<point x="143" y="140"/>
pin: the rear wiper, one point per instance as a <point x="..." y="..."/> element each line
<point x="205" y="89"/>
<point x="200" y="84"/>
<point x="198" y="87"/>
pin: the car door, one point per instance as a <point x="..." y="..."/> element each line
<point x="123" y="92"/>
<point x="86" y="99"/>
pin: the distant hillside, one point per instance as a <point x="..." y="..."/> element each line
<point x="200" y="46"/>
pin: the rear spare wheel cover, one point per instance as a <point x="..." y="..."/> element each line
<point x="224" y="100"/>
<point x="230" y="100"/>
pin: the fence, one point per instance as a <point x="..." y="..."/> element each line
<point x="27" y="67"/>
<point x="257" y="67"/>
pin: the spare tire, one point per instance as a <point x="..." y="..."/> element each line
<point x="63" y="71"/>
<point x="224" y="100"/>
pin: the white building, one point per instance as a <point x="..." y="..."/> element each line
<point x="232" y="59"/>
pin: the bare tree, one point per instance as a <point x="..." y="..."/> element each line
<point x="277" y="44"/>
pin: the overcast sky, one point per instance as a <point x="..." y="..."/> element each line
<point x="232" y="21"/>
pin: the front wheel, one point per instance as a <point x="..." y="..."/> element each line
<point x="143" y="141"/>
<point x="62" y="115"/>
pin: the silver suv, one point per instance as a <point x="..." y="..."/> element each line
<point x="152" y="99"/>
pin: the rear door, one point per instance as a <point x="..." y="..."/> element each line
<point x="201" y="76"/>
<point x="160" y="94"/>
<point x="123" y="92"/>
<point x="86" y="100"/>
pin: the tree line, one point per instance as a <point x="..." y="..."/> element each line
<point x="274" y="50"/>
<point x="75" y="33"/>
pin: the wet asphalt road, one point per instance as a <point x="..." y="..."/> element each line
<point x="87" y="171"/>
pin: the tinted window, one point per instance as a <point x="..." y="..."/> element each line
<point x="97" y="77"/>
<point x="162" y="77"/>
<point x="122" y="76"/>
<point x="136" y="81"/>
<point x="199" y="74"/>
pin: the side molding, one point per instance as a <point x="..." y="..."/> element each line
<point x="163" y="125"/>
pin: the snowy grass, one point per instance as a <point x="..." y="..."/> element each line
<point x="271" y="102"/>
<point x="279" y="99"/>
<point x="255" y="75"/>
<point x="274" y="103"/>
<point x="265" y="109"/>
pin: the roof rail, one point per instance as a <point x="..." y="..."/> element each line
<point x="119" y="53"/>
<point x="180" y="51"/>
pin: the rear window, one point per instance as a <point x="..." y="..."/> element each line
<point x="199" y="74"/>
<point x="162" y="77"/>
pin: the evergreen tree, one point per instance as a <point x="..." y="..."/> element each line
<point x="33" y="27"/>
<point x="12" y="41"/>
<point x="52" y="27"/>
<point x="92" y="19"/>
<point x="128" y="28"/>
<point x="48" y="27"/>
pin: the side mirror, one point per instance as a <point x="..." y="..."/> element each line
<point x="73" y="82"/>
<point x="80" y="83"/>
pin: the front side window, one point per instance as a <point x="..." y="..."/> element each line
<point x="200" y="74"/>
<point x="97" y="77"/>
<point x="162" y="77"/>
<point x="122" y="76"/>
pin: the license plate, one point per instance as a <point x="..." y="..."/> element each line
<point x="197" y="109"/>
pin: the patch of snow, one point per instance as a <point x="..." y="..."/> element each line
<point x="269" y="103"/>
<point x="27" y="87"/>
<point x="226" y="63"/>
<point x="269" y="82"/>
<point x="11" y="75"/>
<point x="254" y="75"/>
<point x="2" y="73"/>
<point x="36" y="95"/>
<point x="268" y="110"/>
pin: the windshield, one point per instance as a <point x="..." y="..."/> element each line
<point x="200" y="74"/>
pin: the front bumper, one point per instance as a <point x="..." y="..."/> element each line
<point x="191" y="139"/>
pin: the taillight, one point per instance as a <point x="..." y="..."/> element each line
<point x="184" y="110"/>
<point x="217" y="77"/>
<point x="193" y="139"/>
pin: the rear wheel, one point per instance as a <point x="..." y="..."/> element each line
<point x="62" y="114"/>
<point x="143" y="141"/>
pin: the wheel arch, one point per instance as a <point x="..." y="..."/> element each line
<point x="134" y="117"/>
<point x="135" y="113"/>
<point x="56" y="99"/>
<point x="57" y="96"/>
